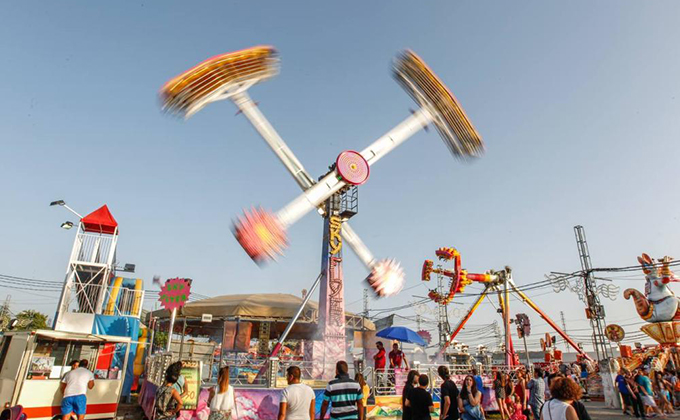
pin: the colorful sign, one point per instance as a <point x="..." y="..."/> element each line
<point x="191" y="371"/>
<point x="614" y="333"/>
<point x="175" y="293"/>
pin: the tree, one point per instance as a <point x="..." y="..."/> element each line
<point x="160" y="339"/>
<point x="31" y="320"/>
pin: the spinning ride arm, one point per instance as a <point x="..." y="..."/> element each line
<point x="263" y="234"/>
<point x="228" y="76"/>
<point x="249" y="108"/>
<point x="546" y="318"/>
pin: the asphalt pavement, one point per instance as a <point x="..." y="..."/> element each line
<point x="598" y="411"/>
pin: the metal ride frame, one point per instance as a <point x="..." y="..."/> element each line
<point x="502" y="284"/>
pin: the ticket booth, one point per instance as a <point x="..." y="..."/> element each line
<point x="32" y="364"/>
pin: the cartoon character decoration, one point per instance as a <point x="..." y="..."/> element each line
<point x="659" y="303"/>
<point x="459" y="277"/>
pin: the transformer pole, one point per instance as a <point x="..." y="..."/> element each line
<point x="595" y="310"/>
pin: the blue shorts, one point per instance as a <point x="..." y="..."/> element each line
<point x="74" y="404"/>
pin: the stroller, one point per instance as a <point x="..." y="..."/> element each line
<point x="13" y="413"/>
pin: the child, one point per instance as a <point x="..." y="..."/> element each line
<point x="516" y="409"/>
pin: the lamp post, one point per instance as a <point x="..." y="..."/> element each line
<point x="67" y="224"/>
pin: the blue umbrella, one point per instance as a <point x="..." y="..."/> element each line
<point x="402" y="334"/>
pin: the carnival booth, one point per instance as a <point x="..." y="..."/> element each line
<point x="32" y="364"/>
<point x="238" y="330"/>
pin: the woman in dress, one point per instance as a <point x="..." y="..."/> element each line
<point x="564" y="391"/>
<point x="469" y="400"/>
<point x="521" y="390"/>
<point x="221" y="400"/>
<point x="509" y="392"/>
<point x="499" y="390"/>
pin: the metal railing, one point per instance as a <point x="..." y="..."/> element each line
<point x="84" y="297"/>
<point x="384" y="382"/>
<point x="92" y="248"/>
<point x="246" y="371"/>
<point x="306" y="368"/>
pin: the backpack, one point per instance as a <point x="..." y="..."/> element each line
<point x="165" y="404"/>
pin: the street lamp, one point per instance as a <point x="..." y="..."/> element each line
<point x="67" y="225"/>
<point x="62" y="203"/>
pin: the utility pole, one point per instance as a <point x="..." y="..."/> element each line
<point x="594" y="310"/>
<point x="564" y="328"/>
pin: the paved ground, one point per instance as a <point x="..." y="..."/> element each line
<point x="598" y="411"/>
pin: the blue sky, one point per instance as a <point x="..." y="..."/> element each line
<point x="578" y="104"/>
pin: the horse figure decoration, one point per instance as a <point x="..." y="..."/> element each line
<point x="659" y="303"/>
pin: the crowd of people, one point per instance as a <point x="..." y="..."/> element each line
<point x="522" y="396"/>
<point x="649" y="397"/>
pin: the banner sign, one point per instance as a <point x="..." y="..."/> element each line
<point x="191" y="371"/>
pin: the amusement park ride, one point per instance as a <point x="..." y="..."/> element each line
<point x="262" y="233"/>
<point x="660" y="308"/>
<point x="498" y="282"/>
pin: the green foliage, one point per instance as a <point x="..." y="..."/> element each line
<point x="160" y="338"/>
<point x="31" y="320"/>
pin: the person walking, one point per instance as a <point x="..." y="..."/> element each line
<point x="297" y="399"/>
<point x="420" y="401"/>
<point x="344" y="395"/>
<point x="221" y="399"/>
<point x="470" y="400"/>
<point x="638" y="407"/>
<point x="448" y="395"/>
<point x="74" y="386"/>
<point x="536" y="388"/>
<point x="661" y="388"/>
<point x="411" y="383"/>
<point x="499" y="390"/>
<point x="564" y="391"/>
<point x="646" y="393"/>
<point x="626" y="392"/>
<point x="167" y="403"/>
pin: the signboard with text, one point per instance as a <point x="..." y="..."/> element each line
<point x="191" y="371"/>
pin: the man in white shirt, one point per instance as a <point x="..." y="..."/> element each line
<point x="74" y="386"/>
<point x="297" y="399"/>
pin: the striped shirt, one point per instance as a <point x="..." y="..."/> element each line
<point x="343" y="394"/>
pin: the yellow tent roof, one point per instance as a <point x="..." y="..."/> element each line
<point x="253" y="306"/>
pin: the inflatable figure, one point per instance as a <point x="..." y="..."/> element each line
<point x="659" y="303"/>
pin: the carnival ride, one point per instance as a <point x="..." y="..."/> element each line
<point x="659" y="307"/>
<point x="498" y="282"/>
<point x="262" y="233"/>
